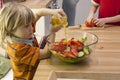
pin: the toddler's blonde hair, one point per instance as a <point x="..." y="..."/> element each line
<point x="12" y="16"/>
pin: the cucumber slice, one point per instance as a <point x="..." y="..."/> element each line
<point x="66" y="41"/>
<point x="81" y="53"/>
<point x="83" y="39"/>
<point x="86" y="50"/>
<point x="67" y="48"/>
<point x="53" y="52"/>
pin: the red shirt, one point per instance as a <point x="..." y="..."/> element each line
<point x="108" y="8"/>
<point x="0" y="3"/>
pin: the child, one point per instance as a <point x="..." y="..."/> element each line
<point x="109" y="12"/>
<point x="17" y="26"/>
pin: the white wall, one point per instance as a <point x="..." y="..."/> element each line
<point x="40" y="28"/>
<point x="82" y="11"/>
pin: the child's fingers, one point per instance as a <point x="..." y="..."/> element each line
<point x="62" y="13"/>
<point x="55" y="28"/>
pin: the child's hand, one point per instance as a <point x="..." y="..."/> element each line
<point x="55" y="29"/>
<point x="59" y="13"/>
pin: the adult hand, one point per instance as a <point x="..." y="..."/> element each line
<point x="89" y="19"/>
<point x="100" y="22"/>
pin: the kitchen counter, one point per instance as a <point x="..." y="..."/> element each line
<point x="36" y="3"/>
<point x="103" y="64"/>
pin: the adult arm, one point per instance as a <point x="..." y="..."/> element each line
<point x="92" y="12"/>
<point x="103" y="21"/>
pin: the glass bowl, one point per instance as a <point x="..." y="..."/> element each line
<point x="66" y="50"/>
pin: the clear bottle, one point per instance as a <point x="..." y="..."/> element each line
<point x="56" y="21"/>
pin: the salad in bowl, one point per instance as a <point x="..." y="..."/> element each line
<point x="75" y="48"/>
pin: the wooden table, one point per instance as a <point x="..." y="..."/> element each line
<point x="103" y="64"/>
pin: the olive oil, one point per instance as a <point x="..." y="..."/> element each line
<point x="56" y="21"/>
<point x="65" y="24"/>
<point x="60" y="22"/>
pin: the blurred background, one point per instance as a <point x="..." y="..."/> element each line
<point x="82" y="10"/>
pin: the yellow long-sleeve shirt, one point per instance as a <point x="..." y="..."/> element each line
<point x="24" y="59"/>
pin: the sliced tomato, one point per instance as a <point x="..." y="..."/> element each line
<point x="58" y="48"/>
<point x="74" y="52"/>
<point x="74" y="47"/>
<point x="88" y="24"/>
<point x="59" y="54"/>
<point x="80" y="48"/>
<point x="74" y="42"/>
<point x="69" y="54"/>
<point x="80" y="43"/>
<point x="63" y="42"/>
<point x="70" y="42"/>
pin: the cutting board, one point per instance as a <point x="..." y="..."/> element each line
<point x="84" y="27"/>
